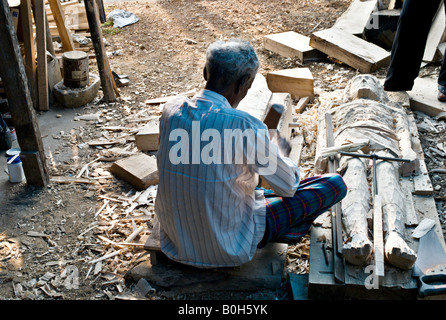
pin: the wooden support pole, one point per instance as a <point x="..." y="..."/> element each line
<point x="105" y="74"/>
<point x="42" y="77"/>
<point x="30" y="49"/>
<point x="65" y="37"/>
<point x="19" y="99"/>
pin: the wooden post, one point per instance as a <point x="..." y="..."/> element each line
<point x="105" y="74"/>
<point x="42" y="78"/>
<point x="30" y="49"/>
<point x="19" y="99"/>
<point x="65" y="37"/>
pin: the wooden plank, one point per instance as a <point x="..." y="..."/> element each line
<point x="264" y="271"/>
<point x="378" y="240"/>
<point x="42" y="78"/>
<point x="350" y="49"/>
<point x="298" y="82"/>
<point x="30" y="49"/>
<point x="291" y="44"/>
<point x="139" y="170"/>
<point x="423" y="97"/>
<point x="301" y="104"/>
<point x="147" y="138"/>
<point x="20" y="104"/>
<point x="107" y="81"/>
<point x="355" y="19"/>
<point x="65" y="36"/>
<point x="437" y="34"/>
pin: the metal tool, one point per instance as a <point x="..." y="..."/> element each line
<point x="409" y="167"/>
<point x="430" y="265"/>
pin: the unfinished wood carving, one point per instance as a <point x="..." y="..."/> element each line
<point x="368" y="114"/>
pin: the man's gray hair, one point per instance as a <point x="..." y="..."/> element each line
<point x="231" y="59"/>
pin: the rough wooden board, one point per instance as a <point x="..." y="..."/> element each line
<point x="436" y="35"/>
<point x="355" y="19"/>
<point x="139" y="170"/>
<point x="147" y="138"/>
<point x="298" y="82"/>
<point x="350" y="49"/>
<point x="423" y="97"/>
<point x="264" y="271"/>
<point x="284" y="99"/>
<point x="291" y="44"/>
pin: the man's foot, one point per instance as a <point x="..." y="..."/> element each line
<point x="398" y="253"/>
<point x="358" y="251"/>
<point x="441" y="93"/>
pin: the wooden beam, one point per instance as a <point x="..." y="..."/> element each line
<point x="351" y="50"/>
<point x="437" y="34"/>
<point x="107" y="81"/>
<point x="20" y="103"/>
<point x="139" y="170"/>
<point x="291" y="44"/>
<point x="65" y="37"/>
<point x="355" y="19"/>
<point x="42" y="79"/>
<point x="298" y="82"/>
<point x="30" y="49"/>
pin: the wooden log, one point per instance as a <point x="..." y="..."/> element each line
<point x="298" y="82"/>
<point x="351" y="50"/>
<point x="291" y="44"/>
<point x="105" y="74"/>
<point x="65" y="36"/>
<point x="356" y="18"/>
<point x="20" y="104"/>
<point x="42" y="78"/>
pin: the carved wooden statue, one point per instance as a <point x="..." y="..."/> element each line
<point x="367" y="116"/>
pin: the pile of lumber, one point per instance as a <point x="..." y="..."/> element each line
<point x="352" y="40"/>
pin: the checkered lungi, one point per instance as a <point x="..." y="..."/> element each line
<point x="290" y="218"/>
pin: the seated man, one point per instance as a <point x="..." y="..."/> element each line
<point x="210" y="157"/>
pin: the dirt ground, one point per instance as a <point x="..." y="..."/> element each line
<point x="52" y="238"/>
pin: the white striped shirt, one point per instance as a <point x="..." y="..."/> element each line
<point x="210" y="212"/>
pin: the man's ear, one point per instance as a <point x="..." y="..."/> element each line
<point x="205" y="74"/>
<point x="242" y="82"/>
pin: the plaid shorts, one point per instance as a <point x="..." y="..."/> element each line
<point x="290" y="218"/>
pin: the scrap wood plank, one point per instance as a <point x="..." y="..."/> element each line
<point x="147" y="139"/>
<point x="350" y="49"/>
<point x="355" y="19"/>
<point x="139" y="170"/>
<point x="291" y="44"/>
<point x="437" y="34"/>
<point x="423" y="97"/>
